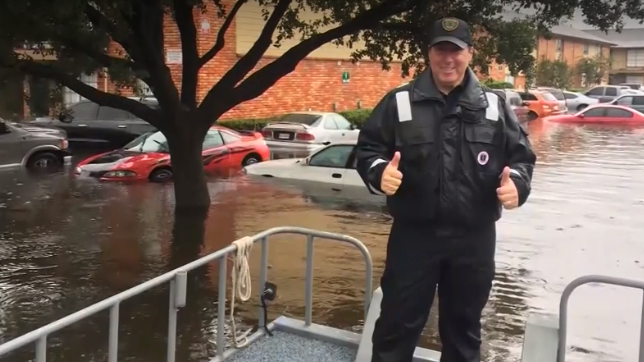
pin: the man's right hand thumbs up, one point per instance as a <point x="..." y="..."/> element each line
<point x="391" y="177"/>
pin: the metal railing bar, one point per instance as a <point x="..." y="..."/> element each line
<point x="308" y="282"/>
<point x="113" y="346"/>
<point x="41" y="333"/>
<point x="41" y="349"/>
<point x="263" y="271"/>
<point x="221" y="308"/>
<point x="171" y="348"/>
<point x="565" y="297"/>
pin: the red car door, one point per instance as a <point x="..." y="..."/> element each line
<point x="215" y="154"/>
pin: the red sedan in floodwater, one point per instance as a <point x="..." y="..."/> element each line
<point x="147" y="157"/>
<point x="601" y="114"/>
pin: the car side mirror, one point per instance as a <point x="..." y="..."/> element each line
<point x="525" y="104"/>
<point x="581" y="115"/>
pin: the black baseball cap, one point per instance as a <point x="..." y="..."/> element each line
<point x="453" y="30"/>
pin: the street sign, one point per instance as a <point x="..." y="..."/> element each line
<point x="345" y="77"/>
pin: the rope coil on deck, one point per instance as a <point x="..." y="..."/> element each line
<point x="241" y="285"/>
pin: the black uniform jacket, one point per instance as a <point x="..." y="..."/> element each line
<point x="452" y="157"/>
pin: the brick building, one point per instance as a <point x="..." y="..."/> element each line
<point x="627" y="55"/>
<point x="569" y="45"/>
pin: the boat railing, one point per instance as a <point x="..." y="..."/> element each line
<point x="563" y="308"/>
<point x="178" y="298"/>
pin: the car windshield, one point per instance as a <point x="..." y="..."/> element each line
<point x="301" y="118"/>
<point x="148" y="142"/>
<point x="548" y="96"/>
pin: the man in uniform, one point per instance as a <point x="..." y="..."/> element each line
<point x="449" y="154"/>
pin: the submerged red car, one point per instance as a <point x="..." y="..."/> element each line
<point x="601" y="114"/>
<point x="147" y="157"/>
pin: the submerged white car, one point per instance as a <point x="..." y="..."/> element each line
<point x="328" y="172"/>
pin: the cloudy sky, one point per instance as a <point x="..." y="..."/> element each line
<point x="578" y="21"/>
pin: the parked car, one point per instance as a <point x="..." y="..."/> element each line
<point x="540" y="104"/>
<point x="34" y="128"/>
<point x="32" y="148"/>
<point x="601" y="114"/>
<point x="309" y="130"/>
<point x="606" y="93"/>
<point x="87" y="122"/>
<point x="147" y="157"/>
<point x="327" y="172"/>
<point x="632" y="91"/>
<point x="519" y="107"/>
<point x="558" y="94"/>
<point x="634" y="101"/>
<point x="635" y="86"/>
<point x="577" y="101"/>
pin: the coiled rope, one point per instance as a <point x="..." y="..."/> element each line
<point x="241" y="285"/>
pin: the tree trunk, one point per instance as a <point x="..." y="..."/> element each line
<point x="190" y="187"/>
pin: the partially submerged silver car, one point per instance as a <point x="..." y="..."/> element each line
<point x="32" y="147"/>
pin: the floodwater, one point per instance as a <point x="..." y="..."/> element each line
<point x="65" y="244"/>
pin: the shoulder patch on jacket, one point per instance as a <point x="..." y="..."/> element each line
<point x="404" y="106"/>
<point x="492" y="111"/>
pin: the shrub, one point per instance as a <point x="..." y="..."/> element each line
<point x="498" y="85"/>
<point x="358" y="117"/>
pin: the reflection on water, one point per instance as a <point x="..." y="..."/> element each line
<point x="65" y="244"/>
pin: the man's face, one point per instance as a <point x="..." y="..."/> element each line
<point x="449" y="62"/>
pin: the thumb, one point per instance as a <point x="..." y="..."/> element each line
<point x="395" y="161"/>
<point x="505" y="176"/>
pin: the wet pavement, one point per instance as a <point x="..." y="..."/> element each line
<point x="67" y="243"/>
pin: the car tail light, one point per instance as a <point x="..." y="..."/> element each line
<point x="267" y="133"/>
<point x="304" y="136"/>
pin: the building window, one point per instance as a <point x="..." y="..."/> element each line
<point x="635" y="58"/>
<point x="558" y="44"/>
<point x="586" y="49"/>
<point x="598" y="49"/>
<point x="71" y="97"/>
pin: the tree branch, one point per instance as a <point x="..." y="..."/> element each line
<point x="146" y="24"/>
<point x="257" y="83"/>
<point x="190" y="62"/>
<point x="47" y="70"/>
<point x="221" y="35"/>
<point x="246" y="63"/>
<point x="102" y="58"/>
<point x="100" y="21"/>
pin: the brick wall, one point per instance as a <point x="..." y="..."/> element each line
<point x="317" y="85"/>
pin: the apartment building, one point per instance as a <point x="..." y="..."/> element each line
<point x="627" y="55"/>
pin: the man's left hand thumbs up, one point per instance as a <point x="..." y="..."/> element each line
<point x="507" y="191"/>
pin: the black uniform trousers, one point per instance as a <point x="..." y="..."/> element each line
<point x="419" y="258"/>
